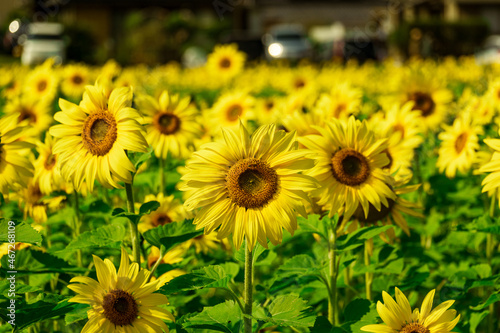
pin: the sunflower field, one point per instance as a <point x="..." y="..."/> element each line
<point x="250" y="197"/>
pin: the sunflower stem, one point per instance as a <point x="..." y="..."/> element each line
<point x="332" y="257"/>
<point x="368" y="275"/>
<point x="248" y="288"/>
<point x="134" y="232"/>
<point x="76" y="228"/>
<point x="157" y="263"/>
<point x="489" y="254"/>
<point x="162" y="175"/>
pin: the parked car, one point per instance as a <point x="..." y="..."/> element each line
<point x="490" y="53"/>
<point x="44" y="41"/>
<point x="287" y="41"/>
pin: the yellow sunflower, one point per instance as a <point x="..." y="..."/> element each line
<point x="15" y="167"/>
<point x="349" y="168"/>
<point x="170" y="123"/>
<point x="47" y="167"/>
<point x="432" y="105"/>
<point x="459" y="144"/>
<point x="225" y="62"/>
<point x="121" y="301"/>
<point x="42" y="82"/>
<point x="75" y="78"/>
<point x="170" y="210"/>
<point x="342" y="102"/>
<point x="249" y="186"/>
<point x="94" y="137"/>
<point x="33" y="113"/>
<point x="228" y="110"/>
<point x="204" y="243"/>
<point x="399" y="318"/>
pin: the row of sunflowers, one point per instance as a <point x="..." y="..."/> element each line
<point x="259" y="197"/>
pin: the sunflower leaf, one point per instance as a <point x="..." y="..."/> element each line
<point x="357" y="238"/>
<point x="148" y="207"/>
<point x="120" y="212"/>
<point x="224" y="317"/>
<point x="291" y="310"/>
<point x="171" y="234"/>
<point x="109" y="236"/>
<point x="313" y="224"/>
<point x="301" y="265"/>
<point x="19" y="232"/>
<point x="492" y="299"/>
<point x="139" y="158"/>
<point x="207" y="277"/>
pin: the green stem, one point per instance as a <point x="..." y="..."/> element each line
<point x="76" y="228"/>
<point x="248" y="288"/>
<point x="332" y="257"/>
<point x="157" y="263"/>
<point x="134" y="232"/>
<point x="489" y="255"/>
<point x="235" y="297"/>
<point x="162" y="175"/>
<point x="368" y="275"/>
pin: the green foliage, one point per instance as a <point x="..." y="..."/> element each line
<point x="172" y="234"/>
<point x="21" y="231"/>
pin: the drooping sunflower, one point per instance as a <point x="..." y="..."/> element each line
<point x="121" y="301"/>
<point x="226" y="61"/>
<point x="249" y="186"/>
<point x="349" y="168"/>
<point x="170" y="123"/>
<point x="399" y="318"/>
<point x="34" y="113"/>
<point x="459" y="144"/>
<point x="47" y="167"/>
<point x="94" y="136"/>
<point x="75" y="78"/>
<point x="15" y="167"/>
<point x="170" y="210"/>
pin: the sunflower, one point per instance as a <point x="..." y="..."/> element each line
<point x="228" y="110"/>
<point x="349" y="168"/>
<point x="204" y="243"/>
<point x="47" y="168"/>
<point x="121" y="301"/>
<point x="34" y="113"/>
<point x="171" y="124"/>
<point x="249" y="186"/>
<point x="75" y="78"/>
<point x="399" y="318"/>
<point x="42" y="82"/>
<point x="225" y="62"/>
<point x="15" y="167"/>
<point x="342" y="102"/>
<point x="173" y="256"/>
<point x="170" y="210"/>
<point x="459" y="144"/>
<point x="94" y="137"/>
<point x="432" y="105"/>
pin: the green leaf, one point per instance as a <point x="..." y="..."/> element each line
<point x="357" y="238"/>
<point x="110" y="236"/>
<point x="20" y="288"/>
<point x="476" y="318"/>
<point x="313" y="224"/>
<point x="492" y="299"/>
<point x="148" y="207"/>
<point x="224" y="317"/>
<point x="291" y="310"/>
<point x="79" y="313"/>
<point x="20" y="231"/>
<point x="138" y="158"/>
<point x="356" y="309"/>
<point x="206" y="277"/>
<point x="120" y="212"/>
<point x="171" y="234"/>
<point x="301" y="264"/>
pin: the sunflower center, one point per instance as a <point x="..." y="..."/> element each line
<point x="269" y="105"/>
<point x="423" y="102"/>
<point x="50" y="161"/>
<point x="414" y="328"/>
<point x="399" y="128"/>
<point x="251" y="183"/>
<point x="225" y="63"/>
<point x="299" y="83"/>
<point x="27" y="114"/>
<point x="233" y="112"/>
<point x="120" y="307"/>
<point x="374" y="215"/>
<point x="76" y="79"/>
<point x="99" y="133"/>
<point x="160" y="219"/>
<point x="339" y="109"/>
<point x="350" y="167"/>
<point x="42" y="85"/>
<point x="167" y="123"/>
<point x="391" y="160"/>
<point x="460" y="142"/>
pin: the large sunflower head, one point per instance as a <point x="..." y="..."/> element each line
<point x="226" y="61"/>
<point x="121" y="301"/>
<point x="249" y="186"/>
<point x="349" y="168"/>
<point x="95" y="135"/>
<point x="399" y="318"/>
<point x="171" y="124"/>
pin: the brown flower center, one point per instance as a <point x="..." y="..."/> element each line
<point x="269" y="105"/>
<point x="99" y="133"/>
<point x="350" y="167"/>
<point x="460" y="142"/>
<point x="42" y="85"/>
<point x="399" y="128"/>
<point x="167" y="123"/>
<point x="251" y="183"/>
<point x="414" y="328"/>
<point x="374" y="215"/>
<point x="233" y="112"/>
<point x="339" y="109"/>
<point x="77" y="79"/>
<point x="120" y="307"/>
<point x="391" y="160"/>
<point x="27" y="114"/>
<point x="225" y="63"/>
<point x="34" y="194"/>
<point x="160" y="219"/>
<point x="299" y="83"/>
<point x="50" y="161"/>
<point x="423" y="102"/>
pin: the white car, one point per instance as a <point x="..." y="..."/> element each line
<point x="490" y="52"/>
<point x="287" y="41"/>
<point x="44" y="41"/>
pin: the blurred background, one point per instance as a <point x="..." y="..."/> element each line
<point x="154" y="32"/>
